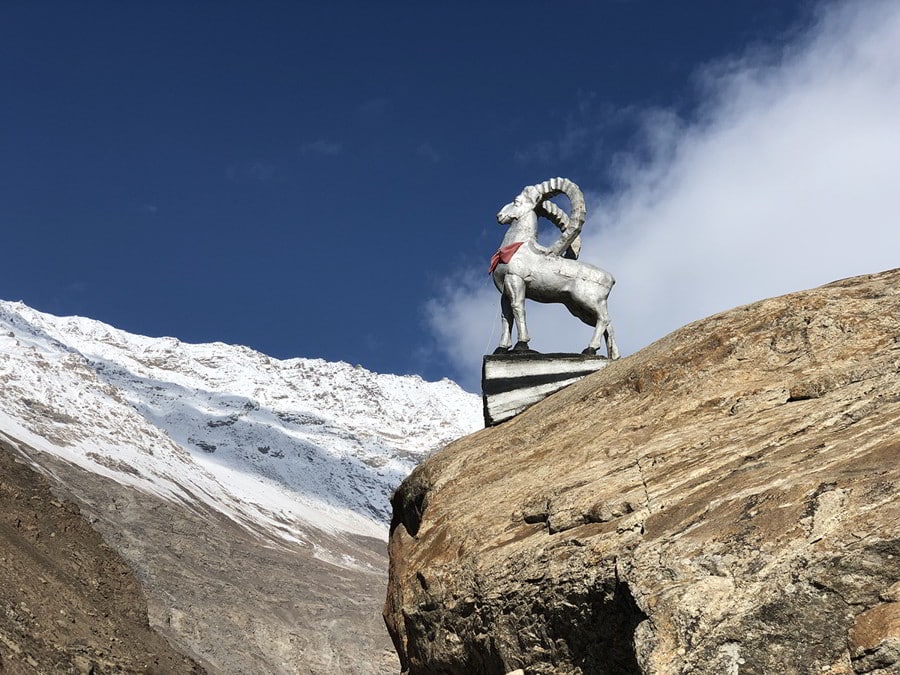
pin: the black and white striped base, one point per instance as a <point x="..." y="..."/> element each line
<point x="512" y="382"/>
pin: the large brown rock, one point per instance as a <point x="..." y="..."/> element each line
<point x="724" y="501"/>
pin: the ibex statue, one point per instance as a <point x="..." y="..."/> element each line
<point x="522" y="268"/>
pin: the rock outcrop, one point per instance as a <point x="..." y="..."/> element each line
<point x="724" y="501"/>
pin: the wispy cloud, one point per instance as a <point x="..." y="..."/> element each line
<point x="787" y="179"/>
<point x="581" y="133"/>
<point x="322" y="146"/>
<point x="428" y="151"/>
<point x="254" y="171"/>
<point x="373" y="108"/>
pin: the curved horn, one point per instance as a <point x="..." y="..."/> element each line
<point x="570" y="224"/>
<point x="554" y="214"/>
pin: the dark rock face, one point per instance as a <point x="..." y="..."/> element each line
<point x="68" y="602"/>
<point x="724" y="501"/>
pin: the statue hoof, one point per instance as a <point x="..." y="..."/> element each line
<point x="522" y="348"/>
<point x="501" y="350"/>
<point x="589" y="351"/>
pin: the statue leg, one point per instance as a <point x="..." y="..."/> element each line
<point x="506" y="322"/>
<point x="611" y="349"/>
<point x="514" y="289"/>
<point x="603" y="329"/>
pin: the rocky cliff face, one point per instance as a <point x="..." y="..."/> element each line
<point x="724" y="501"/>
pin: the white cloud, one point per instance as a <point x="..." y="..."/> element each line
<point x="788" y="179"/>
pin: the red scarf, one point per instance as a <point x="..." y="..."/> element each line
<point x="503" y="255"/>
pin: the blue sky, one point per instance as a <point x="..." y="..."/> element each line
<point x="311" y="179"/>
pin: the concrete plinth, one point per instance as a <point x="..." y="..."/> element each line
<point x="512" y="382"/>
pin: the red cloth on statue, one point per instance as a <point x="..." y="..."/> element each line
<point x="503" y="255"/>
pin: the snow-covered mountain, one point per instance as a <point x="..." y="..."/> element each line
<point x="247" y="494"/>
<point x="283" y="446"/>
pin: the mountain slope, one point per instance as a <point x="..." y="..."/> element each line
<point x="68" y="603"/>
<point x="270" y="443"/>
<point x="248" y="494"/>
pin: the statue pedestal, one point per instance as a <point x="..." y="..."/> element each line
<point x="512" y="382"/>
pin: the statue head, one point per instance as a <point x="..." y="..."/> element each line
<point x="526" y="201"/>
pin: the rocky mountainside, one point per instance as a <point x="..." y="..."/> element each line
<point x="724" y="501"/>
<point x="249" y="495"/>
<point x="269" y="443"/>
<point x="68" y="602"/>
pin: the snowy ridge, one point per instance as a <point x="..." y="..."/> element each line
<point x="287" y="446"/>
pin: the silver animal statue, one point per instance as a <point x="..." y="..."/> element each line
<point x="522" y="268"/>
